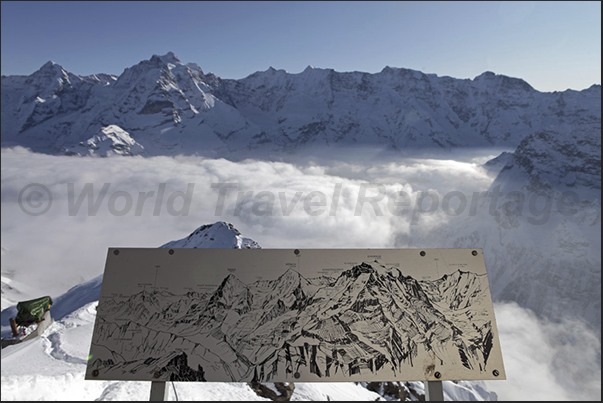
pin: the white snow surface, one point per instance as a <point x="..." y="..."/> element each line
<point x="111" y="140"/>
<point x="220" y="235"/>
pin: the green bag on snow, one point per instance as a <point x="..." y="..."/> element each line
<point x="32" y="311"/>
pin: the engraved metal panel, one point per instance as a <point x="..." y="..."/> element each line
<point x="279" y="315"/>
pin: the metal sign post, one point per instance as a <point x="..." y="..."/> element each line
<point x="159" y="391"/>
<point x="283" y="315"/>
<point x="434" y="392"/>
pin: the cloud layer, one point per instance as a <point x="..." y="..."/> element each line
<point x="276" y="204"/>
<point x="546" y="360"/>
<point x="98" y="203"/>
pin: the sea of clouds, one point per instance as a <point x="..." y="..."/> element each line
<point x="61" y="214"/>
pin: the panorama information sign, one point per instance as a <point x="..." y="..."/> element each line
<point x="282" y="315"/>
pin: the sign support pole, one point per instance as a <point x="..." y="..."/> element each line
<point x="434" y="392"/>
<point x="159" y="391"/>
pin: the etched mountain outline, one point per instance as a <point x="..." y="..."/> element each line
<point x="369" y="320"/>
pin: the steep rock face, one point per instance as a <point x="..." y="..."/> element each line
<point x="540" y="226"/>
<point x="37" y="110"/>
<point x="397" y="108"/>
<point x="174" y="108"/>
<point x="568" y="158"/>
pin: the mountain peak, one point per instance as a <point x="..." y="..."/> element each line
<point x="232" y="294"/>
<point x="356" y="271"/>
<point x="217" y="235"/>
<point x="169" y="57"/>
<point x="486" y="74"/>
<point x="50" y="66"/>
<point x="290" y="274"/>
<point x="232" y="280"/>
<point x="274" y="71"/>
<point x="505" y="81"/>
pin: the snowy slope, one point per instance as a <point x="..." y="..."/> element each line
<point x="169" y="108"/>
<point x="111" y="140"/>
<point x="218" y="235"/>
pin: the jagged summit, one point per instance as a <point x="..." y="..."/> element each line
<point x="372" y="267"/>
<point x="169" y="57"/>
<point x="404" y="71"/>
<point x="360" y="269"/>
<point x="505" y="82"/>
<point x="272" y="71"/>
<point x="231" y="294"/>
<point x="313" y="70"/>
<point x="148" y="73"/>
<point x="50" y="70"/>
<point x="290" y="273"/>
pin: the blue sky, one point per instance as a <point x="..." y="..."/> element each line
<point x="551" y="45"/>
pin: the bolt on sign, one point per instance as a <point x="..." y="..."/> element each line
<point x="279" y="315"/>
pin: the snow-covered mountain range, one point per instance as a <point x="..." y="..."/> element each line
<point x="541" y="237"/>
<point x="162" y="106"/>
